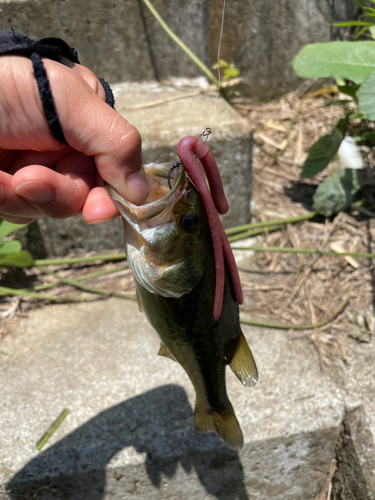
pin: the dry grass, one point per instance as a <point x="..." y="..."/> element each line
<point x="295" y="288"/>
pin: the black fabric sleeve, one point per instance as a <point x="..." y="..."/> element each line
<point x="14" y="43"/>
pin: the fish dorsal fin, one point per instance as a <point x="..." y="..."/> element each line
<point x="243" y="364"/>
<point x="163" y="351"/>
<point x="140" y="306"/>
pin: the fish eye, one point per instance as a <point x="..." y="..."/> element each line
<point x="188" y="223"/>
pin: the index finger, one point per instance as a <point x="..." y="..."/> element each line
<point x="95" y="129"/>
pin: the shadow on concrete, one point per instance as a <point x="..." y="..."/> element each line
<point x="158" y="423"/>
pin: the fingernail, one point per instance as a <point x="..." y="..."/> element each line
<point x="99" y="221"/>
<point x="35" y="191"/>
<point x="137" y="187"/>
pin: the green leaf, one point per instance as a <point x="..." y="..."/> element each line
<point x="220" y="64"/>
<point x="321" y="153"/>
<point x="349" y="90"/>
<point x="351" y="60"/>
<point x="365" y="136"/>
<point x="353" y="23"/>
<point x="7" y="228"/>
<point x="10" y="247"/>
<point x="361" y="31"/>
<point x="342" y="124"/>
<point x="366" y="96"/>
<point x="336" y="192"/>
<point x="361" y="3"/>
<point x="20" y="259"/>
<point x="368" y="11"/>
<point x="372" y="31"/>
<point x="230" y="72"/>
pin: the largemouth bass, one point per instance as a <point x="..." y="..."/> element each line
<point x="188" y="291"/>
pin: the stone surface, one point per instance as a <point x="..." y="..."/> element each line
<point x="355" y="477"/>
<point x="109" y="35"/>
<point x="131" y="414"/>
<point x="130" y="428"/>
<point x="181" y="111"/>
<point x="261" y="37"/>
<point x="121" y="41"/>
<point x="188" y="20"/>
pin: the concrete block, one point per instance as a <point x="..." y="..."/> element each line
<point x="188" y="20"/>
<point x="180" y="112"/>
<point x="130" y="430"/>
<point x="261" y="37"/>
<point x="109" y="35"/>
<point x="121" y="41"/>
<point x="355" y="477"/>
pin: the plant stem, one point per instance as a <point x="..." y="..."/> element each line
<point x="307" y="251"/>
<point x="85" y="288"/>
<point x="80" y="260"/>
<point x="281" y="326"/>
<point x="47" y="286"/>
<point x="182" y="46"/>
<point x="248" y="234"/>
<point x="56" y="424"/>
<point x="272" y="222"/>
<point x="4" y="291"/>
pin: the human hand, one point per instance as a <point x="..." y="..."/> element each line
<point x="39" y="176"/>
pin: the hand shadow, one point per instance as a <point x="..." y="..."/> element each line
<point x="158" y="423"/>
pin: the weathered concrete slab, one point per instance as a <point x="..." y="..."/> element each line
<point x="121" y="41"/>
<point x="355" y="477"/>
<point x="109" y="35"/>
<point x="261" y="37"/>
<point x="180" y="112"/>
<point x="130" y="430"/>
<point x="188" y="20"/>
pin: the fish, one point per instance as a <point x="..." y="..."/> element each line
<point x="187" y="280"/>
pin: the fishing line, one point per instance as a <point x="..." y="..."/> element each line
<point x="218" y="72"/>
<point x="207" y="128"/>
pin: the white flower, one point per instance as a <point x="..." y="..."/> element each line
<point x="349" y="154"/>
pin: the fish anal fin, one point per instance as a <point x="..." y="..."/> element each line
<point x="163" y="351"/>
<point x="223" y="423"/>
<point x="140" y="306"/>
<point x="243" y="364"/>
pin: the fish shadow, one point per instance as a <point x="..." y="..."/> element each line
<point x="159" y="424"/>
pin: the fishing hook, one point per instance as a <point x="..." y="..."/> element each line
<point x="204" y="135"/>
<point x="177" y="164"/>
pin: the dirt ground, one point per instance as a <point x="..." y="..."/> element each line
<point x="305" y="289"/>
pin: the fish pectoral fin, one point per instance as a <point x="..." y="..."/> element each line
<point x="243" y="364"/>
<point x="224" y="423"/>
<point x="163" y="351"/>
<point x="140" y="306"/>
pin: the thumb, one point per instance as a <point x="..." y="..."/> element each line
<point x="95" y="129"/>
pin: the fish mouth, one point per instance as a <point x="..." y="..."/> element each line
<point x="161" y="195"/>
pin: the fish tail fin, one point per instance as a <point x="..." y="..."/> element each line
<point x="243" y="364"/>
<point x="224" y="423"/>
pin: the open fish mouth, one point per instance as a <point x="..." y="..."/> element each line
<point x="148" y="228"/>
<point x="160" y="197"/>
